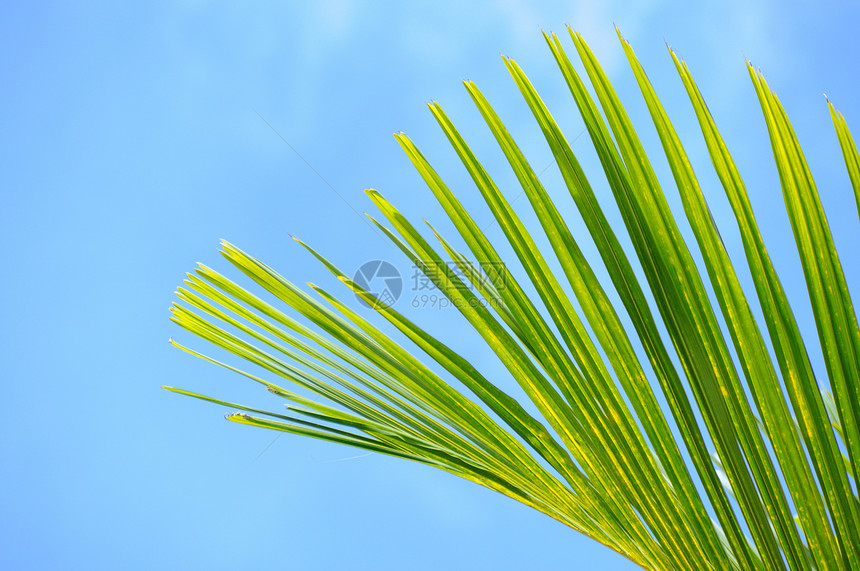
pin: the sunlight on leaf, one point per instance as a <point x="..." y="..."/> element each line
<point x="751" y="463"/>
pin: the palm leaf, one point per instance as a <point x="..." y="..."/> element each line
<point x="775" y="449"/>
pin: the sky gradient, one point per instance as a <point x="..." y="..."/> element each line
<point x="134" y="138"/>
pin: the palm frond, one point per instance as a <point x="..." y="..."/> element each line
<point x="775" y="449"/>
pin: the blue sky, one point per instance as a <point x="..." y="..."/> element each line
<point x="134" y="138"/>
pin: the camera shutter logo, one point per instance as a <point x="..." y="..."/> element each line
<point x="382" y="280"/>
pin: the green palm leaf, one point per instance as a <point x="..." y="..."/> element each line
<point x="775" y="449"/>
